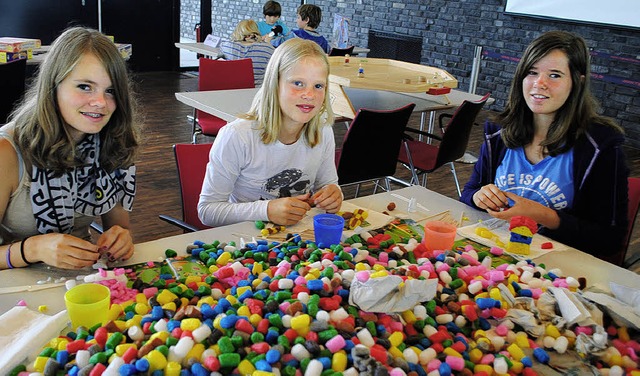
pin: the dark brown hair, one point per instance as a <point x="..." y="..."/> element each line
<point x="577" y="113"/>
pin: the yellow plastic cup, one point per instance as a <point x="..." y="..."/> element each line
<point x="88" y="304"/>
<point x="438" y="236"/>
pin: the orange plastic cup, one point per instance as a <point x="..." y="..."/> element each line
<point x="438" y="236"/>
<point x="88" y="304"/>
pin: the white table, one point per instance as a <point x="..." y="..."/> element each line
<point x="200" y="48"/>
<point x="214" y="52"/>
<point x="572" y="262"/>
<point x="228" y="104"/>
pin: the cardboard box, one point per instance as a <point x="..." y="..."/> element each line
<point x="6" y="57"/>
<point x="11" y="44"/>
<point x="125" y="50"/>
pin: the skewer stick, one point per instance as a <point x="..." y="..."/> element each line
<point x="399" y="229"/>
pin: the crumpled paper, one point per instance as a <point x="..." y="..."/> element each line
<point x="575" y="309"/>
<point x="391" y="293"/>
<point x="23" y="332"/>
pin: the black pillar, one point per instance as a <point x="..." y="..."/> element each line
<point x="205" y="19"/>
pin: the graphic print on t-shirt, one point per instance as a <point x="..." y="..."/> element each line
<point x="549" y="182"/>
<point x="290" y="182"/>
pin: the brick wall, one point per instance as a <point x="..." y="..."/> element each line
<point x="450" y="32"/>
<point x="189" y="17"/>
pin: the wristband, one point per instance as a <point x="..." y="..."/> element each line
<point x="22" y="251"/>
<point x="9" y="256"/>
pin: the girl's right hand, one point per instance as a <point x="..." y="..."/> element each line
<point x="490" y="197"/>
<point x="61" y="250"/>
<point x="288" y="210"/>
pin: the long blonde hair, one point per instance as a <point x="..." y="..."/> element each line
<point x="40" y="130"/>
<point x="265" y="108"/>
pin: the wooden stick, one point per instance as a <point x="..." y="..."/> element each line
<point x="399" y="229"/>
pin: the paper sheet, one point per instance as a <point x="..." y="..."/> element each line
<point x="375" y="220"/>
<point x="501" y="229"/>
<point x="23" y="332"/>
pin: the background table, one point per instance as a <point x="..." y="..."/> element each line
<point x="380" y="74"/>
<point x="228" y="104"/>
<point x="214" y="52"/>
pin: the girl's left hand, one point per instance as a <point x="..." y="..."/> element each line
<point x="328" y="198"/>
<point x="117" y="242"/>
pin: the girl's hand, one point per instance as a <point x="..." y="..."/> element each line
<point x="328" y="198"/>
<point x="491" y="198"/>
<point x="529" y="208"/>
<point x="117" y="243"/>
<point x="288" y="210"/>
<point x="61" y="250"/>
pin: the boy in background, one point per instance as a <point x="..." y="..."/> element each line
<point x="272" y="29"/>
<point x="308" y="19"/>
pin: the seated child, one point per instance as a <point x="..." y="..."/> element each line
<point x="276" y="161"/>
<point x="309" y="17"/>
<point x="268" y="27"/>
<point x="246" y="43"/>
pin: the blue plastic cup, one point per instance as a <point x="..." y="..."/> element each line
<point x="328" y="229"/>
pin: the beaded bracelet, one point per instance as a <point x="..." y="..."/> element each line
<point x="9" y="265"/>
<point x="22" y="251"/>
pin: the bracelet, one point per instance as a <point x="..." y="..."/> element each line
<point x="9" y="265"/>
<point x="22" y="252"/>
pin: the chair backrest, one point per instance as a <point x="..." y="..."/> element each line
<point x="457" y="132"/>
<point x="191" y="160"/>
<point x="341" y="51"/>
<point x="225" y="74"/>
<point x="12" y="85"/>
<point x="371" y="144"/>
<point x="221" y="75"/>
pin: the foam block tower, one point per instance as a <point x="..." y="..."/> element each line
<point x="522" y="230"/>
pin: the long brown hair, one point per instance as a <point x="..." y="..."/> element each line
<point x="40" y="130"/>
<point x="575" y="115"/>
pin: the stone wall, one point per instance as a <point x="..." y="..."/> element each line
<point x="450" y="31"/>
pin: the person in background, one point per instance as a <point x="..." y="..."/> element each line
<point x="308" y="19"/>
<point x="67" y="155"/>
<point x="246" y="43"/>
<point x="272" y="29"/>
<point x="277" y="160"/>
<point x="550" y="156"/>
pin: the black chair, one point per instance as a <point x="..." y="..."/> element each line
<point x="12" y="85"/>
<point x="422" y="157"/>
<point x="370" y="148"/>
<point x="341" y="51"/>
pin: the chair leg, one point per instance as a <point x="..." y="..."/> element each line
<point x="357" y="190"/>
<point x="194" y="128"/>
<point x="455" y="178"/>
<point x="424" y="180"/>
<point x="414" y="174"/>
<point x="386" y="180"/>
<point x="375" y="186"/>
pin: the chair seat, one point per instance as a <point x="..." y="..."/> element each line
<point x="209" y="124"/>
<point x="424" y="155"/>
